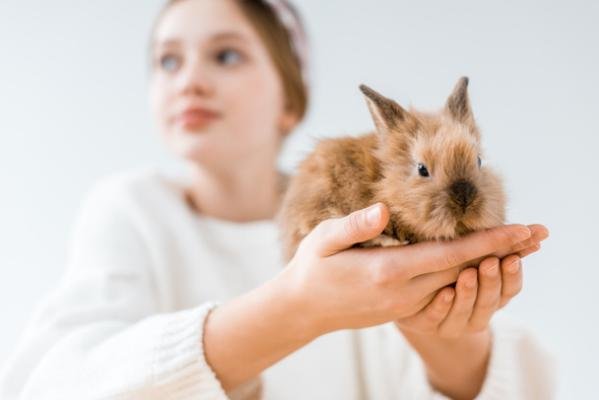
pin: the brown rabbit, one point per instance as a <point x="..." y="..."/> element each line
<point x="425" y="167"/>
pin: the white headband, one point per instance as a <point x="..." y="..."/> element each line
<point x="290" y="19"/>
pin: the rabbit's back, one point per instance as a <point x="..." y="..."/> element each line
<point x="334" y="180"/>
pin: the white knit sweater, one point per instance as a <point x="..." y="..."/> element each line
<point x="126" y="320"/>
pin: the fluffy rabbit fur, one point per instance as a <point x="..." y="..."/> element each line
<point x="426" y="167"/>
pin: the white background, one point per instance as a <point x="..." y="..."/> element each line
<point x="73" y="107"/>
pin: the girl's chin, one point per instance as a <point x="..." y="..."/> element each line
<point x="193" y="129"/>
<point x="200" y="148"/>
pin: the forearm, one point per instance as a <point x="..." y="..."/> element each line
<point x="455" y="367"/>
<point x="252" y="332"/>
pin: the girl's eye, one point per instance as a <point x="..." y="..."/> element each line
<point x="480" y="162"/>
<point x="169" y="62"/>
<point x="422" y="170"/>
<point x="228" y="57"/>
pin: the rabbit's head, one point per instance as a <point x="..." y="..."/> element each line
<point x="434" y="176"/>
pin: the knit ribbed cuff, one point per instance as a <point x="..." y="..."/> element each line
<point x="499" y="381"/>
<point x="519" y="367"/>
<point x="502" y="379"/>
<point x="180" y="368"/>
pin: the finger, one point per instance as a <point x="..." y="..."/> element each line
<point x="421" y="304"/>
<point x="436" y="255"/>
<point x="456" y="321"/>
<point x="530" y="250"/>
<point x="511" y="277"/>
<point x="336" y="234"/>
<point x="538" y="234"/>
<point x="428" y="319"/>
<point x="488" y="296"/>
<point x="531" y="245"/>
<point x="433" y="281"/>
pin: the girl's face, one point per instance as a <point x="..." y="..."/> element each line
<point x="215" y="93"/>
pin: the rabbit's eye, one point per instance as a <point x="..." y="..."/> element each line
<point x="422" y="170"/>
<point x="480" y="162"/>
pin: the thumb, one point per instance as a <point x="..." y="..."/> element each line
<point x="336" y="234"/>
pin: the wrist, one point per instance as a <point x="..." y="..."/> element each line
<point x="441" y="353"/>
<point x="248" y="334"/>
<point x="300" y="311"/>
<point x="456" y="367"/>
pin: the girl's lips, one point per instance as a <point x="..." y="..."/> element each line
<point x="196" y="118"/>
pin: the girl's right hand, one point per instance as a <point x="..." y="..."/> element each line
<point x="339" y="287"/>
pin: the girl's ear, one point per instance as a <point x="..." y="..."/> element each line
<point x="287" y="122"/>
<point x="458" y="103"/>
<point x="386" y="113"/>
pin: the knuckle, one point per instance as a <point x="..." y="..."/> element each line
<point x="352" y="224"/>
<point x="385" y="272"/>
<point x="451" y="258"/>
<point x="526" y="244"/>
<point x="501" y="235"/>
<point x="380" y="273"/>
<point x="400" y="272"/>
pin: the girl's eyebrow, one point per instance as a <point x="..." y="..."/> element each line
<point x="174" y="42"/>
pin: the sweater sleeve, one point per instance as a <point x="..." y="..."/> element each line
<point x="520" y="368"/>
<point x="100" y="334"/>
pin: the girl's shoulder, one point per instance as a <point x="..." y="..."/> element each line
<point x="142" y="182"/>
<point x="142" y="193"/>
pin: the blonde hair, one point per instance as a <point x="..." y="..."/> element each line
<point x="278" y="43"/>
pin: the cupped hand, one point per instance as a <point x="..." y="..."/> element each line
<point x="468" y="308"/>
<point x="337" y="286"/>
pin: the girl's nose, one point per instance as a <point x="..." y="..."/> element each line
<point x="195" y="79"/>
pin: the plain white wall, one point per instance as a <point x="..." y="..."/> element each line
<point x="73" y="108"/>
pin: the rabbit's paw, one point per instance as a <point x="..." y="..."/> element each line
<point x="384" y="241"/>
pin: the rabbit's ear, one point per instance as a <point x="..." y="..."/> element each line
<point x="458" y="103"/>
<point x="386" y="113"/>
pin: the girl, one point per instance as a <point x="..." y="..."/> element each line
<point x="175" y="287"/>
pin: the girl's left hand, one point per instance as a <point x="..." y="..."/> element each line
<point x="452" y="333"/>
<point x="468" y="307"/>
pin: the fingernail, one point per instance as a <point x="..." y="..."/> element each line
<point x="492" y="270"/>
<point x="470" y="283"/>
<point x="514" y="267"/>
<point x="373" y="215"/>
<point x="522" y="234"/>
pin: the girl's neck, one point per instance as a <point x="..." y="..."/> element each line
<point x="240" y="195"/>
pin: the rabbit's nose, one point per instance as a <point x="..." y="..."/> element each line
<point x="462" y="192"/>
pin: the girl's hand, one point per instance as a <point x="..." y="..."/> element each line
<point x="452" y="334"/>
<point x="468" y="308"/>
<point x="335" y="286"/>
